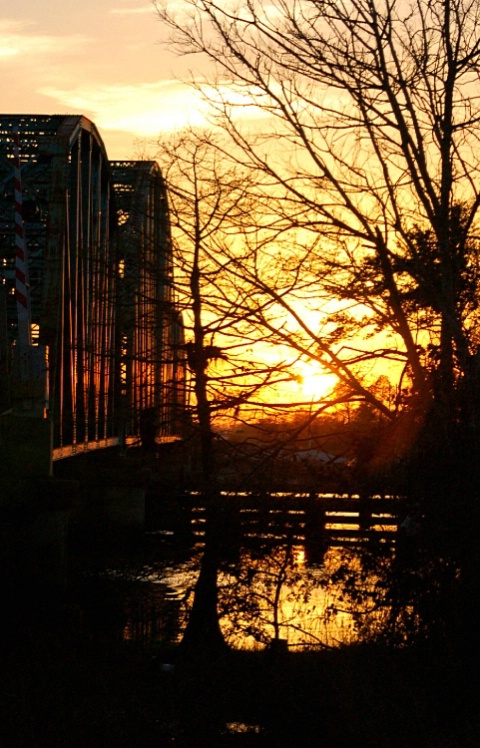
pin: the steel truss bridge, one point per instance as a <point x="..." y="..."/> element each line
<point x="101" y="285"/>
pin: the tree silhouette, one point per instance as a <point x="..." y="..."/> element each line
<point x="359" y="122"/>
<point x="208" y="204"/>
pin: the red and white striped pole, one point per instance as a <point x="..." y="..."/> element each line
<point x="22" y="285"/>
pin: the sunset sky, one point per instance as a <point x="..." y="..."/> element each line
<point x="104" y="59"/>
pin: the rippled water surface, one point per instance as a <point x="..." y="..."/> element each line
<point x="261" y="596"/>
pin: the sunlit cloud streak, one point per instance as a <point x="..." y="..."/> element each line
<point x="144" y="110"/>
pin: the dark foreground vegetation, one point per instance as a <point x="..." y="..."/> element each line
<point x="65" y="684"/>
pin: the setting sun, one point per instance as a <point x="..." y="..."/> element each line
<point x="314" y="382"/>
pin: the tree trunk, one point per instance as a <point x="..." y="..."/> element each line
<point x="203" y="635"/>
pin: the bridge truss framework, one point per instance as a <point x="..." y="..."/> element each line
<point x="100" y="267"/>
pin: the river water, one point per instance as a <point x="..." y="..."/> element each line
<point x="263" y="595"/>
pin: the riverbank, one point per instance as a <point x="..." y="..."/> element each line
<point x="64" y="688"/>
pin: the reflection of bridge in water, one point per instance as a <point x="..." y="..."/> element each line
<point x="101" y="301"/>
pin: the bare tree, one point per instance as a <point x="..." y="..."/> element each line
<point x="211" y="206"/>
<point x="209" y="200"/>
<point x="371" y="116"/>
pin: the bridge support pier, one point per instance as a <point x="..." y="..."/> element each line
<point x="25" y="446"/>
<point x="34" y="523"/>
<point x="34" y="508"/>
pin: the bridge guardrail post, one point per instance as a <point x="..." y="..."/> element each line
<point x="315" y="529"/>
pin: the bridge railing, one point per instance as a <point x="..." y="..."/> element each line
<point x="270" y="518"/>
